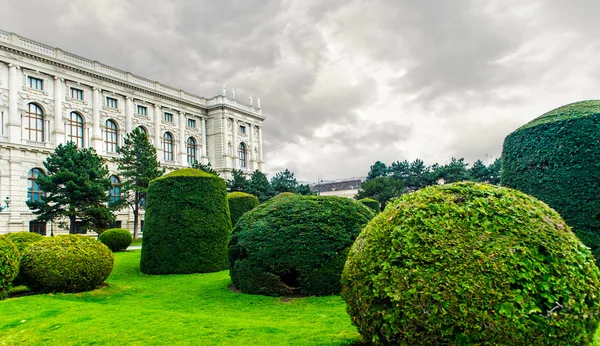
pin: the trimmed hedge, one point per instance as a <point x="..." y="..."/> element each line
<point x="239" y="203"/>
<point x="371" y="203"/>
<point x="22" y="241"/>
<point x="291" y="245"/>
<point x="9" y="265"/>
<point x="66" y="263"/>
<point x="117" y="239"/>
<point x="285" y="194"/>
<point x="555" y="158"/>
<point x="471" y="263"/>
<point x="187" y="224"/>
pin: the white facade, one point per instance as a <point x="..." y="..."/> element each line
<point x="35" y="78"/>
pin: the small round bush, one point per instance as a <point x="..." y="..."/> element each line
<point x="371" y="203"/>
<point x="187" y="224"/>
<point x="239" y="203"/>
<point x="471" y="263"/>
<point x="22" y="241"/>
<point x="295" y="245"/>
<point x="117" y="239"/>
<point x="285" y="194"/>
<point x="9" y="265"/>
<point x="66" y="263"/>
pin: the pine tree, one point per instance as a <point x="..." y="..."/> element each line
<point x="260" y="187"/>
<point x="76" y="186"/>
<point x="137" y="167"/>
<point x="238" y="182"/>
<point x="284" y="181"/>
<point x="207" y="168"/>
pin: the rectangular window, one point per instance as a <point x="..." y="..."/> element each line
<point x="169" y="117"/>
<point x="76" y="94"/>
<point x="35" y="83"/>
<point x="37" y="227"/>
<point x="111" y="102"/>
<point x="242" y="129"/>
<point x="191" y="123"/>
<point x="141" y="110"/>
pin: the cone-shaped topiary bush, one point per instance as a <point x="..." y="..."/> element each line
<point x="117" y="239"/>
<point x="22" y="241"/>
<point x="291" y="245"/>
<point x="555" y="158"/>
<point x="66" y="263"/>
<point x="239" y="203"/>
<point x="471" y="263"/>
<point x="9" y="265"/>
<point x="371" y="203"/>
<point x="186" y="225"/>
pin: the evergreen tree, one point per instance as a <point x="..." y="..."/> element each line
<point x="379" y="169"/>
<point x="207" y="168"/>
<point x="284" y="181"/>
<point x="137" y="167"/>
<point x="452" y="172"/>
<point x="260" y="187"/>
<point x="479" y="172"/>
<point x="381" y="189"/>
<point x="238" y="182"/>
<point x="494" y="172"/>
<point x="304" y="189"/>
<point x="76" y="186"/>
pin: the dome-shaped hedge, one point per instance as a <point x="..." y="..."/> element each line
<point x="371" y="203"/>
<point x="555" y="158"/>
<point x="66" y="263"/>
<point x="9" y="265"/>
<point x="471" y="263"/>
<point x="22" y="241"/>
<point x="240" y="203"/>
<point x="186" y="224"/>
<point x="117" y="239"/>
<point x="295" y="244"/>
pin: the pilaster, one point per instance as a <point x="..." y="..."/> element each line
<point x="157" y="132"/>
<point x="59" y="128"/>
<point x="14" y="120"/>
<point x="182" y="144"/>
<point x="96" y="134"/>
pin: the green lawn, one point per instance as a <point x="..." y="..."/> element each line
<point x="196" y="309"/>
<point x="136" y="242"/>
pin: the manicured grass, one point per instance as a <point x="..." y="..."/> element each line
<point x="197" y="309"/>
<point x="136" y="242"/>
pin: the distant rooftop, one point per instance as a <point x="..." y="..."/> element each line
<point x="337" y="185"/>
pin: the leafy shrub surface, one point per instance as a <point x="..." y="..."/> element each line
<point x="66" y="263"/>
<point x="555" y="158"/>
<point x="117" y="239"/>
<point x="471" y="263"/>
<point x="187" y="224"/>
<point x="22" y="241"/>
<point x="239" y="203"/>
<point x="291" y="245"/>
<point x="9" y="265"/>
<point x="371" y="203"/>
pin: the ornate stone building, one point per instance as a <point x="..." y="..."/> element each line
<point x="49" y="96"/>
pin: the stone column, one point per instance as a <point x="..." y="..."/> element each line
<point x="204" y="158"/>
<point x="59" y="129"/>
<point x="157" y="133"/>
<point x="182" y="140"/>
<point x="96" y="133"/>
<point x="14" y="120"/>
<point x="251" y="147"/>
<point x="128" y="114"/>
<point x="224" y="135"/>
<point x="260" y="151"/>
<point x="235" y="163"/>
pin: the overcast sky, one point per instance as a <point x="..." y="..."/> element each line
<point x="346" y="83"/>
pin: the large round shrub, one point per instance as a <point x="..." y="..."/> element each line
<point x="555" y="158"/>
<point x="186" y="224"/>
<point x="239" y="203"/>
<point x="291" y="245"/>
<point x="371" y="203"/>
<point x="66" y="263"/>
<point x="471" y="263"/>
<point x="9" y="265"/>
<point x="117" y="239"/>
<point x="22" y="241"/>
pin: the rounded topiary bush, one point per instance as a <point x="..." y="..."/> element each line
<point x="371" y="203"/>
<point x="285" y="194"/>
<point x="186" y="225"/>
<point x="117" y="239"/>
<point x="239" y="203"/>
<point x="22" y="241"/>
<point x="9" y="265"/>
<point x="291" y="245"/>
<point x="555" y="158"/>
<point x="471" y="263"/>
<point x="66" y="263"/>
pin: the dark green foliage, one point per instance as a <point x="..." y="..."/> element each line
<point x="238" y="182"/>
<point x="555" y="158"/>
<point x="9" y="265"/>
<point x="205" y="167"/>
<point x="76" y="185"/>
<point x="187" y="224"/>
<point x="137" y="166"/>
<point x="304" y="189"/>
<point x="117" y="239"/>
<point x="260" y="187"/>
<point x="286" y="194"/>
<point x="240" y="203"/>
<point x="371" y="203"/>
<point x="381" y="189"/>
<point x="284" y="181"/>
<point x="415" y="175"/>
<point x="470" y="263"/>
<point x="451" y="172"/>
<point x="22" y="241"/>
<point x="292" y="244"/>
<point x="379" y="169"/>
<point x="66" y="263"/>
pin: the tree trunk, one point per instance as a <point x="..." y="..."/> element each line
<point x="135" y="222"/>
<point x="72" y="219"/>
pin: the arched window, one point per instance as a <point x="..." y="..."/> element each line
<point x="75" y="133"/>
<point x="114" y="194"/>
<point x="168" y="146"/>
<point x="34" y="123"/>
<point x="143" y="129"/>
<point x="111" y="136"/>
<point x="191" y="150"/>
<point x="243" y="154"/>
<point x="34" y="193"/>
